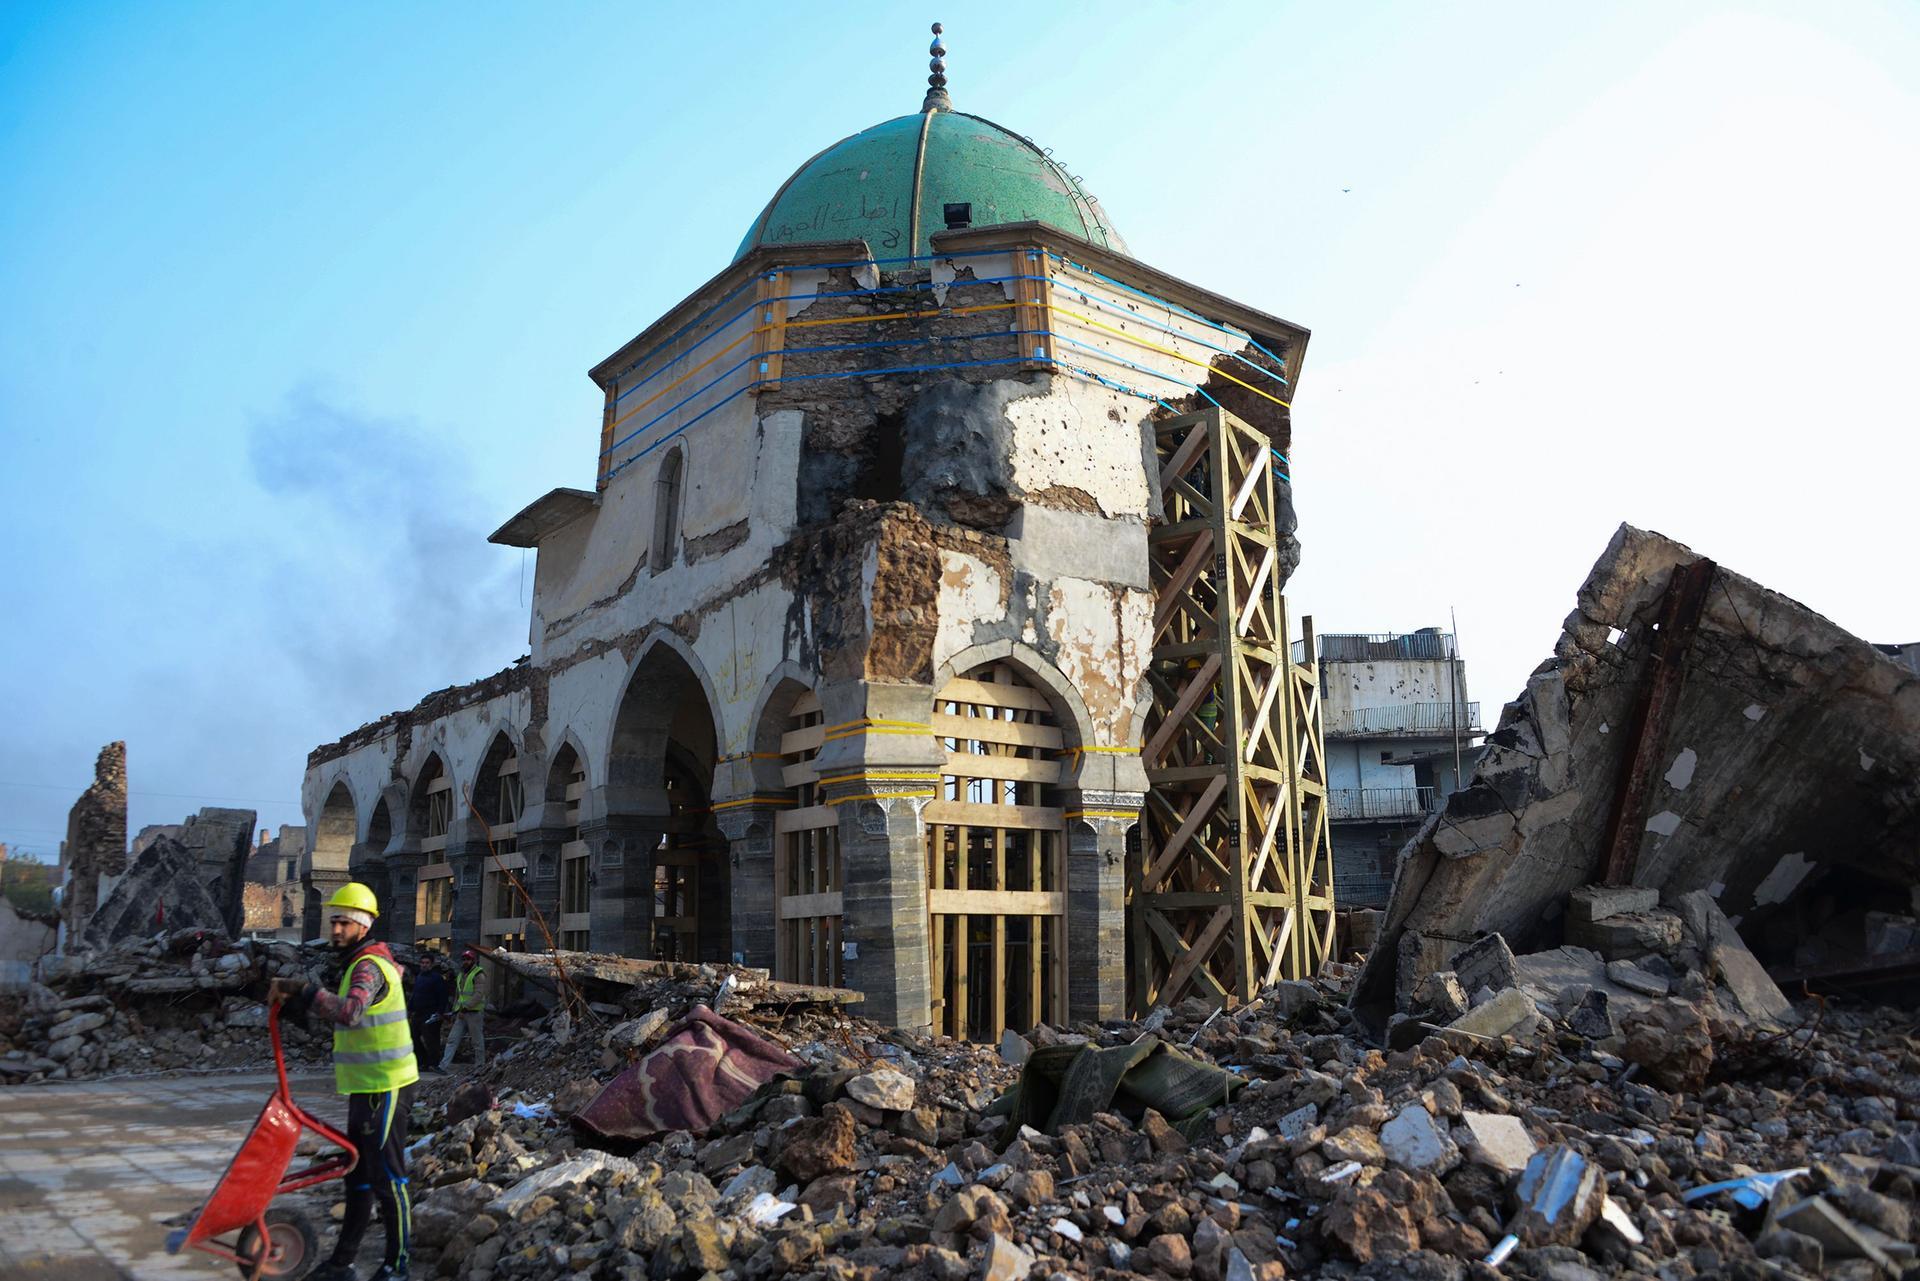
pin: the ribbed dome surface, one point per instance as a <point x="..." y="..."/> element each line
<point x="889" y="185"/>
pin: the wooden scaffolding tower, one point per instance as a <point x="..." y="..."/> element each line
<point x="1232" y="886"/>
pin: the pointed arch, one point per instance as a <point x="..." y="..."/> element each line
<point x="334" y="828"/>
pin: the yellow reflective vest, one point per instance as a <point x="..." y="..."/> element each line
<point x="376" y="1054"/>
<point x="472" y="995"/>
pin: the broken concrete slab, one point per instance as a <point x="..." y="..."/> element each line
<point x="1591" y="903"/>
<point x="1754" y="993"/>
<point x="1511" y="1013"/>
<point x="1533" y="824"/>
<point x="1485" y="962"/>
<point x="1497" y="1140"/>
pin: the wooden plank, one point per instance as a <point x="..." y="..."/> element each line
<point x="963" y="903"/>
<point x="983" y="729"/>
<point x="1027" y="817"/>
<point x="576" y="789"/>
<point x="992" y="694"/>
<point x="435" y="872"/>
<point x="797" y="906"/>
<point x="808" y="819"/>
<point x="802" y="740"/>
<point x="433" y="844"/>
<point x="799" y="774"/>
<point x="1190" y="694"/>
<point x="1019" y="769"/>
<point x="438" y="785"/>
<point x="1000" y="976"/>
<point x="806" y="705"/>
<point x="574" y="849"/>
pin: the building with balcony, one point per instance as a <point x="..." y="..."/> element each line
<point x="1401" y="733"/>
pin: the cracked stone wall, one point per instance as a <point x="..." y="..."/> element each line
<point x="1793" y="752"/>
<point x="95" y="852"/>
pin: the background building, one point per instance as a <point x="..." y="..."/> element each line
<point x="1401" y="734"/>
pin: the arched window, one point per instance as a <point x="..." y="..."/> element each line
<point x="996" y="859"/>
<point x="667" y="489"/>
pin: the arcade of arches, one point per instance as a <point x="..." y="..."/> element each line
<point x="946" y="864"/>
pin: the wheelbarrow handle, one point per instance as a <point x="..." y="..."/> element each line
<point x="279" y="1055"/>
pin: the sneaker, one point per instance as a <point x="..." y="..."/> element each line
<point x="388" y="1272"/>
<point x="331" y="1271"/>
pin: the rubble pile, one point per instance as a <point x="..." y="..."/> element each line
<point x="185" y="999"/>
<point x="1560" y="1114"/>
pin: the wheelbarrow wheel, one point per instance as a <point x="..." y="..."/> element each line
<point x="290" y="1251"/>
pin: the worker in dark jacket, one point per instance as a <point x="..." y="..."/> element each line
<point x="373" y="1065"/>
<point x="431" y="997"/>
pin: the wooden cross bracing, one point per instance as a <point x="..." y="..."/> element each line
<point x="1232" y="888"/>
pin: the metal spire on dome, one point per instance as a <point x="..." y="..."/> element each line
<point x="937" y="99"/>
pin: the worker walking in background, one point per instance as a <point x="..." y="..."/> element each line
<point x="374" y="1066"/>
<point x="431" y="1000"/>
<point x="469" y="1012"/>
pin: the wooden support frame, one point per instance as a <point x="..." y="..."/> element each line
<point x="1033" y="305"/>
<point x="769" y="331"/>
<point x="1233" y="887"/>
<point x="809" y="910"/>
<point x="996" y="859"/>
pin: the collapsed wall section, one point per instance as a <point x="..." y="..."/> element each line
<point x="1779" y="751"/>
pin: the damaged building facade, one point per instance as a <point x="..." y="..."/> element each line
<point x="841" y="668"/>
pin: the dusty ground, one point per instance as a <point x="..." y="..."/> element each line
<point x="89" y="1171"/>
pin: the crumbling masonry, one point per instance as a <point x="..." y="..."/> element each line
<point x="841" y="668"/>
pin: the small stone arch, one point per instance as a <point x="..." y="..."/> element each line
<point x="655" y="703"/>
<point x="498" y="792"/>
<point x="430" y="805"/>
<point x="1069" y="709"/>
<point x="334" y="829"/>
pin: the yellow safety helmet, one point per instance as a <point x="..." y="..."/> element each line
<point x="357" y="897"/>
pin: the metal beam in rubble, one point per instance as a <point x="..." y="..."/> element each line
<point x="1232" y="887"/>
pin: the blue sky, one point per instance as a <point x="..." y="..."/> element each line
<point x="300" y="300"/>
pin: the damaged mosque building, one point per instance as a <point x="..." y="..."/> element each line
<point x="935" y="551"/>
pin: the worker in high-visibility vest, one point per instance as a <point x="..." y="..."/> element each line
<point x="373" y="1065"/>
<point x="469" y="1011"/>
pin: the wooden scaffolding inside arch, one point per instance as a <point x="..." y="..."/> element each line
<point x="1232" y="886"/>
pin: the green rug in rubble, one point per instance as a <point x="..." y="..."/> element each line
<point x="1066" y="1084"/>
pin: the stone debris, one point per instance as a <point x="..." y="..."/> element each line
<point x="188" y="998"/>
<point x="886" y="1155"/>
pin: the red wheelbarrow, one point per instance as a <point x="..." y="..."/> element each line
<point x="273" y="1241"/>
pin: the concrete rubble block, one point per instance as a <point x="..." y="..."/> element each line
<point x="1558" y="1197"/>
<point x="1839" y="1236"/>
<point x="1497" y="1141"/>
<point x="568" y="1174"/>
<point x="1671" y="1041"/>
<point x="884" y="1088"/>
<point x="1511" y="1013"/>
<point x="1630" y="935"/>
<point x="1754" y="994"/>
<point x="1591" y="903"/>
<point x="1486" y="962"/>
<point x="1635" y="979"/>
<point x="1440" y="998"/>
<point x="1592" y="1017"/>
<point x="1413" y="1140"/>
<point x="1004" y="1261"/>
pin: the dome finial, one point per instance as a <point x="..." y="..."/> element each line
<point x="937" y="99"/>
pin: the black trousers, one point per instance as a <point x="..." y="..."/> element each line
<point x="426" y="1040"/>
<point x="377" y="1124"/>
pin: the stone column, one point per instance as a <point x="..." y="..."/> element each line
<point x="748" y="826"/>
<point x="399" y="916"/>
<point x="622" y="848"/>
<point x="882" y="782"/>
<point x="320" y="882"/>
<point x="1097" y="824"/>
<point x="468" y="860"/>
<point x="541" y="878"/>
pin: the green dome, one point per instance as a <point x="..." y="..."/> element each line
<point x="888" y="186"/>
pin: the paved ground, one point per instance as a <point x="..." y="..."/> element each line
<point x="91" y="1171"/>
